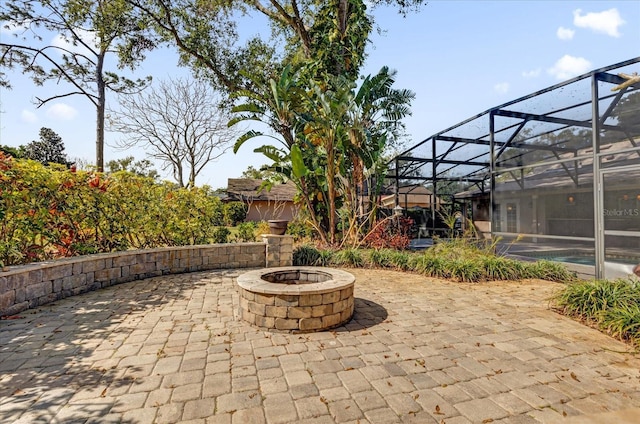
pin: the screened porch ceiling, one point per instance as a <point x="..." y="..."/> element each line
<point x="543" y="127"/>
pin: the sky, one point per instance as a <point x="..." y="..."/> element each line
<point x="459" y="57"/>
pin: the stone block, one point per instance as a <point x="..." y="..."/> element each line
<point x="332" y="297"/>
<point x="265" y="299"/>
<point x="77" y="267"/>
<point x="93" y="265"/>
<point x="330" y="320"/>
<point x="346" y="315"/>
<point x="4" y="285"/>
<point x="107" y="274"/>
<point x="7" y="299"/>
<point x="299" y="312"/>
<point x="21" y="295"/>
<point x="346" y="293"/>
<point x="58" y="271"/>
<point x="321" y="310"/>
<point x="257" y="308"/>
<point x="34" y="291"/>
<point x="267" y="322"/>
<point x="249" y="317"/>
<point x="286" y="300"/>
<point x="308" y="324"/>
<point x="35" y="276"/>
<point x="286" y="324"/>
<point x="340" y="306"/>
<point x="124" y="260"/>
<point x="57" y="285"/>
<point x="244" y="304"/>
<point x="137" y="269"/>
<point x="17" y="280"/>
<point x="310" y="300"/>
<point x="276" y="311"/>
<point x="248" y="295"/>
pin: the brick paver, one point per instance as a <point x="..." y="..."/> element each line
<point x="171" y="349"/>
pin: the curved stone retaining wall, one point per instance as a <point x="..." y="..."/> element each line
<point x="27" y="286"/>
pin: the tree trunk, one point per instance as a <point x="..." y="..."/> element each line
<point x="331" y="174"/>
<point x="100" y="113"/>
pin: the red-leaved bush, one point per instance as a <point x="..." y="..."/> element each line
<point x="391" y="233"/>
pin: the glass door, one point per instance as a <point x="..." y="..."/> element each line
<point x="619" y="232"/>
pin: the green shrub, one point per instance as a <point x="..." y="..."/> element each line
<point x="614" y="306"/>
<point x="548" y="270"/>
<point x="348" y="257"/>
<point x="465" y="270"/>
<point x="399" y="259"/>
<point x="622" y="322"/>
<point x="326" y="258"/>
<point x="380" y="258"/>
<point x="432" y="266"/>
<point x="220" y="235"/>
<point x="588" y="299"/>
<point x="300" y="230"/>
<point x="246" y="232"/>
<point x="234" y="213"/>
<point x="306" y="255"/>
<point x="499" y="268"/>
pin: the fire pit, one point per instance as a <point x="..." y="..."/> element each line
<point x="296" y="299"/>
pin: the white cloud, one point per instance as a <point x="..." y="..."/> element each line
<point x="61" y="111"/>
<point x="606" y="22"/>
<point x="569" y="66"/>
<point x="534" y="73"/>
<point x="87" y="37"/>
<point x="501" y="88"/>
<point x="28" y="117"/>
<point x="13" y="28"/>
<point x="565" y="33"/>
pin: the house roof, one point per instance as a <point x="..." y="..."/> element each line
<point x="410" y="196"/>
<point x="240" y="189"/>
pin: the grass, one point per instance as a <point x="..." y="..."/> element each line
<point x="611" y="306"/>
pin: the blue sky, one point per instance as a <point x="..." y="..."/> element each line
<point x="459" y="57"/>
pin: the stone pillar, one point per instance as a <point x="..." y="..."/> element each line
<point x="279" y="250"/>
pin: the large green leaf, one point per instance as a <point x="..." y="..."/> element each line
<point x="244" y="137"/>
<point x="297" y="163"/>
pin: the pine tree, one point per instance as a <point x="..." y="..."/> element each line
<point x="49" y="149"/>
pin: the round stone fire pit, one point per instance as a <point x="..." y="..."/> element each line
<point x="296" y="299"/>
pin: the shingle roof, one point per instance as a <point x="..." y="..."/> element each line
<point x="249" y="189"/>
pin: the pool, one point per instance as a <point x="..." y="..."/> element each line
<point x="581" y="258"/>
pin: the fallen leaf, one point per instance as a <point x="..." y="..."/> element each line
<point x="18" y="392"/>
<point x="488" y="420"/>
<point x="564" y="413"/>
<point x="104" y="392"/>
<point x="437" y="411"/>
<point x="573" y="375"/>
<point x="348" y="369"/>
<point x="11" y="317"/>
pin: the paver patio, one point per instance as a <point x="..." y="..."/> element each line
<point x="170" y="349"/>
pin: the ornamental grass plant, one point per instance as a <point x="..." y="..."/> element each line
<point x="458" y="259"/>
<point x="613" y="306"/>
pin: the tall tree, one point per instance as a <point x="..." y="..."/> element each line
<point x="332" y="34"/>
<point x="85" y="33"/>
<point x="179" y="123"/>
<point x="49" y="149"/>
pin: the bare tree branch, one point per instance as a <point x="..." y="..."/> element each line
<point x="178" y="123"/>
